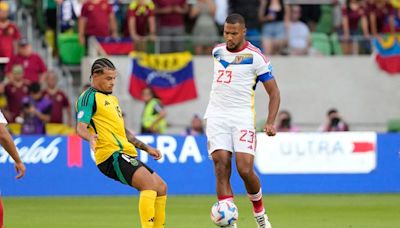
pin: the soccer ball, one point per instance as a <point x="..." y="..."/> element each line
<point x="224" y="213"/>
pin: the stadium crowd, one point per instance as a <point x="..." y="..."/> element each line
<point x="273" y="25"/>
<point x="276" y="26"/>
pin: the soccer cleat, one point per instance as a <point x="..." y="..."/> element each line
<point x="262" y="221"/>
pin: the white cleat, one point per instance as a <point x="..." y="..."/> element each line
<point x="262" y="221"/>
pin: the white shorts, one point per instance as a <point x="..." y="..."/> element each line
<point x="231" y="135"/>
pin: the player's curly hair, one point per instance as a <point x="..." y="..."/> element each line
<point x="100" y="65"/>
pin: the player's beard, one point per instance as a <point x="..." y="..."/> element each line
<point x="233" y="48"/>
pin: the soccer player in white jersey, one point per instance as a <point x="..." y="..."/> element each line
<point x="230" y="115"/>
<point x="9" y="146"/>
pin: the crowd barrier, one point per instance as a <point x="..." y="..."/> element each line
<point x="352" y="162"/>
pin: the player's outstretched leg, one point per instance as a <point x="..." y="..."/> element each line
<point x="244" y="164"/>
<point x="160" y="203"/>
<point x="147" y="183"/>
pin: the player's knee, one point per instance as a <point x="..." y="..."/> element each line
<point x="162" y="188"/>
<point x="221" y="163"/>
<point x="245" y="172"/>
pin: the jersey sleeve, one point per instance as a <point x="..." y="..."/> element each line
<point x="85" y="107"/>
<point x="263" y="68"/>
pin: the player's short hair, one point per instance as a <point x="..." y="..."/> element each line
<point x="100" y="65"/>
<point x="235" y="18"/>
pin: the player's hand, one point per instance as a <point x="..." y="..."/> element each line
<point x="20" y="169"/>
<point x="92" y="141"/>
<point x="155" y="153"/>
<point x="270" y="130"/>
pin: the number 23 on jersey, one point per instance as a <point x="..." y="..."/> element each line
<point x="224" y="76"/>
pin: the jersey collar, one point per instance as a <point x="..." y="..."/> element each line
<point x="106" y="93"/>
<point x="246" y="44"/>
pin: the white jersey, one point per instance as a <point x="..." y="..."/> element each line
<point x="2" y="119"/>
<point x="235" y="77"/>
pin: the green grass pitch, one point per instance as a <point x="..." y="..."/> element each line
<point x="285" y="211"/>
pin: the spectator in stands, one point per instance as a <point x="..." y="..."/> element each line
<point x="9" y="36"/>
<point x="353" y="13"/>
<point x="32" y="63"/>
<point x="221" y="12"/>
<point x="15" y="90"/>
<point x="299" y="40"/>
<point x="35" y="111"/>
<point x="50" y="7"/>
<point x="247" y="9"/>
<point x="337" y="14"/>
<point x="171" y="25"/>
<point x="153" y="117"/>
<point x="284" y="122"/>
<point x="205" y="32"/>
<point x="97" y="20"/>
<point x="310" y="14"/>
<point x="70" y="11"/>
<point x="334" y="122"/>
<point x="196" y="126"/>
<point x="274" y="15"/>
<point x="141" y="23"/>
<point x="60" y="102"/>
<point x="381" y="17"/>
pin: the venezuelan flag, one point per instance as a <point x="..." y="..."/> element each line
<point x="170" y="76"/>
<point x="115" y="46"/>
<point x="388" y="53"/>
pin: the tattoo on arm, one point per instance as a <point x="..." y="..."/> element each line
<point x="136" y="142"/>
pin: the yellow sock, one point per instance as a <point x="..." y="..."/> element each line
<point x="159" y="216"/>
<point x="146" y="208"/>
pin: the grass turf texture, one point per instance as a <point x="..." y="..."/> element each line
<point x="285" y="211"/>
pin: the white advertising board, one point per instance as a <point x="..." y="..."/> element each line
<point x="316" y="153"/>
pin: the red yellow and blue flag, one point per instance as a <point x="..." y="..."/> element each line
<point x="387" y="53"/>
<point x="116" y="46"/>
<point x="171" y="76"/>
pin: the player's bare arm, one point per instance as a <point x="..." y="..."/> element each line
<point x="274" y="100"/>
<point x="82" y="130"/>
<point x="9" y="146"/>
<point x="143" y="146"/>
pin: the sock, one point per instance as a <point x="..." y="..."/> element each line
<point x="147" y="200"/>
<point x="159" y="216"/>
<point x="256" y="200"/>
<point x="227" y="197"/>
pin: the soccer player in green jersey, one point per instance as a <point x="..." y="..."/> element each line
<point x="100" y="122"/>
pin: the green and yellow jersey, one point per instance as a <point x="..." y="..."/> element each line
<point x="103" y="115"/>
